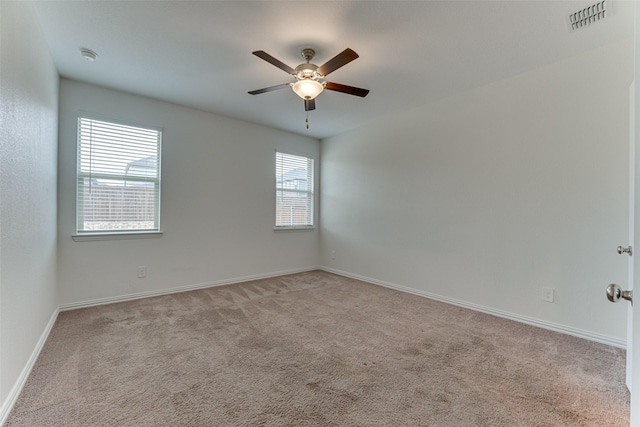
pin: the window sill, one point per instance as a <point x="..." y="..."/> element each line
<point x="300" y="228"/>
<point x="89" y="237"/>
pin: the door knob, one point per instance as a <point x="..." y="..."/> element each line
<point x="615" y="293"/>
<point x="626" y="250"/>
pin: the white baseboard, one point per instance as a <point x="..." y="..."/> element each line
<point x="580" y="333"/>
<point x="177" y="289"/>
<point x="7" y="405"/>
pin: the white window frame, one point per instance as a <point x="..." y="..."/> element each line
<point x="309" y="192"/>
<point x="110" y="234"/>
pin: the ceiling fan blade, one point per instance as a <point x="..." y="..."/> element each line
<point x="309" y="104"/>
<point x="269" y="89"/>
<point x="347" y="89"/>
<point x="273" y="61"/>
<point x="343" y="58"/>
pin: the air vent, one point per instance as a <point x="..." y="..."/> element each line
<point x="589" y="15"/>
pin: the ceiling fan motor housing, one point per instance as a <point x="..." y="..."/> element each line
<point x="307" y="71"/>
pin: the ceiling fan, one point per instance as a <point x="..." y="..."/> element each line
<point x="308" y="84"/>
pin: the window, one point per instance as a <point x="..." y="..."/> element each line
<point x="118" y="186"/>
<point x="294" y="191"/>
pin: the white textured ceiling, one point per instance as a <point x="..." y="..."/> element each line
<point x="198" y="54"/>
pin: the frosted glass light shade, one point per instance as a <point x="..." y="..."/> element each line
<point x="307" y="89"/>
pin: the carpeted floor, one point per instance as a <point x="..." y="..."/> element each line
<point x="314" y="349"/>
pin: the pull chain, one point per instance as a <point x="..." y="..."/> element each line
<point x="307" y="120"/>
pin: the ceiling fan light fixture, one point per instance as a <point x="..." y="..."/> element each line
<point x="307" y="88"/>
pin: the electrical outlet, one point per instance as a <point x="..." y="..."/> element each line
<point x="547" y="294"/>
<point x="142" y="271"/>
<point x="333" y="254"/>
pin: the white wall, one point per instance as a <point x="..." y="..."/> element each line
<point x="489" y="196"/>
<point x="28" y="152"/>
<point x="218" y="202"/>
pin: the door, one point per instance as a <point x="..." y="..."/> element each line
<point x="633" y="332"/>
<point x="629" y="249"/>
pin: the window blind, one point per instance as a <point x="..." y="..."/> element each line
<point x="118" y="177"/>
<point x="294" y="191"/>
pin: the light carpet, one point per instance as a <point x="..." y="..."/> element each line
<point x="314" y="349"/>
